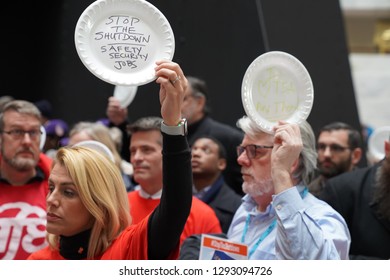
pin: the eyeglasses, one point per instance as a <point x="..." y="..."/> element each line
<point x="334" y="148"/>
<point x="18" y="134"/>
<point x="251" y="150"/>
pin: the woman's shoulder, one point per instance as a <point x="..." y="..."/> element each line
<point x="45" y="254"/>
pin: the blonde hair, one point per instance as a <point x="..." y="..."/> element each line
<point x="101" y="189"/>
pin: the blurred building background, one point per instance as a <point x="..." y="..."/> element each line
<point x="367" y="24"/>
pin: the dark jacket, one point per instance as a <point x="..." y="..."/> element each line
<point x="351" y="194"/>
<point x="224" y="201"/>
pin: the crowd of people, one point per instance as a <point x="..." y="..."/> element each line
<point x="163" y="180"/>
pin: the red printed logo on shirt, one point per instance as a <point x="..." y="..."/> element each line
<point x="22" y="230"/>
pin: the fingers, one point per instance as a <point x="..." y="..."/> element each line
<point x="168" y="72"/>
<point x="168" y="69"/>
<point x="113" y="103"/>
<point x="173" y="85"/>
<point x="115" y="113"/>
<point x="286" y="132"/>
<point x="175" y="80"/>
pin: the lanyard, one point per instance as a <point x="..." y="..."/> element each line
<point x="262" y="236"/>
<point x="267" y="231"/>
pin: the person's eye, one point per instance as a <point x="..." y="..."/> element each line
<point x="321" y="146"/>
<point x="253" y="151"/>
<point x="51" y="188"/>
<point x="260" y="152"/>
<point x="69" y="193"/>
<point x="147" y="150"/>
<point x="337" y="148"/>
<point x="18" y="132"/>
<point x="34" y="133"/>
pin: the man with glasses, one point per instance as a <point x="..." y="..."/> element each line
<point x="24" y="172"/>
<point x="339" y="149"/>
<point x="279" y="218"/>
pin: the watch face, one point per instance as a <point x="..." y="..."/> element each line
<point x="184" y="124"/>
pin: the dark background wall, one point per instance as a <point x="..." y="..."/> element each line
<point x="215" y="40"/>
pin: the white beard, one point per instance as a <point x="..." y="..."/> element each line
<point x="258" y="188"/>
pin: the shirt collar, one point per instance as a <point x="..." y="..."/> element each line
<point x="201" y="193"/>
<point x="250" y="206"/>
<point x="39" y="177"/>
<point x="144" y="194"/>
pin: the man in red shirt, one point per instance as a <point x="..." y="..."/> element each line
<point x="23" y="181"/>
<point x="146" y="158"/>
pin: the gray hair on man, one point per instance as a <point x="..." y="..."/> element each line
<point x="308" y="157"/>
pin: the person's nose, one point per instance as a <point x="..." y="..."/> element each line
<point x="195" y="152"/>
<point x="52" y="199"/>
<point x="327" y="151"/>
<point x="243" y="159"/>
<point x="136" y="155"/>
<point x="26" y="139"/>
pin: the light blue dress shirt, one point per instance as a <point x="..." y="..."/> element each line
<point x="306" y="228"/>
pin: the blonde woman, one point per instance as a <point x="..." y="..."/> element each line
<point x="87" y="208"/>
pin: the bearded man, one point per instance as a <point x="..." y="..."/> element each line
<point x="24" y="173"/>
<point x="362" y="197"/>
<point x="279" y="218"/>
<point x="339" y="150"/>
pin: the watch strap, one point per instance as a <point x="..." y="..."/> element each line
<point x="179" y="129"/>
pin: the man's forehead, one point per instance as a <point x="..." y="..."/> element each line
<point x="261" y="136"/>
<point x="205" y="142"/>
<point x="11" y="117"/>
<point x="146" y="138"/>
<point x="334" y="135"/>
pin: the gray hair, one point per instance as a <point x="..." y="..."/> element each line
<point x="308" y="157"/>
<point x="22" y="107"/>
<point x="98" y="132"/>
<point x="146" y="124"/>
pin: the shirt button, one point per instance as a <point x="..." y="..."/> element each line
<point x="278" y="207"/>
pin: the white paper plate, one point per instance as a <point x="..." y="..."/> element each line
<point x="376" y="142"/>
<point x="119" y="41"/>
<point x="125" y="95"/>
<point x="277" y="86"/>
<point x="97" y="146"/>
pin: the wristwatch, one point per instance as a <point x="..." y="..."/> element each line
<point x="179" y="129"/>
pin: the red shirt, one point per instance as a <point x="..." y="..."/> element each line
<point x="23" y="215"/>
<point x="202" y="218"/>
<point x="132" y="244"/>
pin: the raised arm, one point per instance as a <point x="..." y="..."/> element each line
<point x="306" y="227"/>
<point x="166" y="223"/>
<point x="285" y="155"/>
